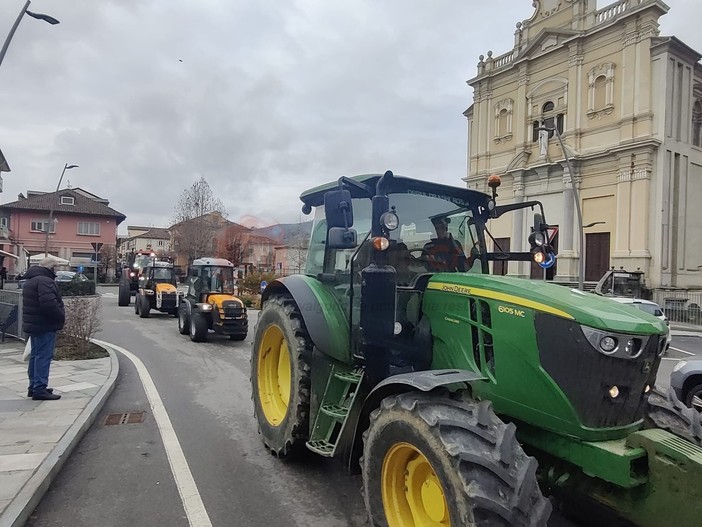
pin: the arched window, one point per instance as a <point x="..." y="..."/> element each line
<point x="549" y="119"/>
<point x="697" y="123"/>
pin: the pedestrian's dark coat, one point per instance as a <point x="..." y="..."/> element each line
<point x="42" y="308"/>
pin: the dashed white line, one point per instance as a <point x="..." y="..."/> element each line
<point x="189" y="494"/>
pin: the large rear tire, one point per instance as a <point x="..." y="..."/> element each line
<point x="670" y="414"/>
<point x="183" y="320"/>
<point x="123" y="295"/>
<point x="433" y="461"/>
<point x="280" y="376"/>
<point x="198" y="327"/>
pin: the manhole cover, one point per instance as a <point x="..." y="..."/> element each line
<point x="127" y="418"/>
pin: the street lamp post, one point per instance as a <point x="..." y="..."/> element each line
<point x="46" y="18"/>
<point x="51" y="208"/>
<point x="576" y="198"/>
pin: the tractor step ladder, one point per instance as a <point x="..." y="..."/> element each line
<point x="339" y="396"/>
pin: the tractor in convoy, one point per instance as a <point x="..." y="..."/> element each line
<point x="131" y="271"/>
<point x="210" y="303"/>
<point x="157" y="290"/>
<point x="466" y="398"/>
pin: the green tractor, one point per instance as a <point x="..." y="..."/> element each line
<point x="466" y="398"/>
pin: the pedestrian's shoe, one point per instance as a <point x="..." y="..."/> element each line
<point x="30" y="393"/>
<point x="45" y="396"/>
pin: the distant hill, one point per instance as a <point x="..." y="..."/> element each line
<point x="285" y="233"/>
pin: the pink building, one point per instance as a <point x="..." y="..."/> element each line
<point x="80" y="219"/>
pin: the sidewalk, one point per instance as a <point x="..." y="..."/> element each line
<point x="36" y="437"/>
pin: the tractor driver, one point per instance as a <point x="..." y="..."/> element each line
<point x="444" y="253"/>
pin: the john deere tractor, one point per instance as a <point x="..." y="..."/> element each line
<point x="157" y="290"/>
<point x="210" y="303"/>
<point x="466" y="398"/>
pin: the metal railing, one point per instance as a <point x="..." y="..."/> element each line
<point x="680" y="305"/>
<point x="13" y="298"/>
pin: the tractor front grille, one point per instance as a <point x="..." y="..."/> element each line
<point x="585" y="375"/>
<point x="233" y="309"/>
<point x="168" y="300"/>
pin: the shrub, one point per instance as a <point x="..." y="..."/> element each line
<point x="251" y="283"/>
<point x="76" y="288"/>
<point x="82" y="324"/>
<point x="251" y="301"/>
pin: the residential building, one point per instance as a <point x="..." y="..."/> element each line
<point x="196" y="237"/>
<point x="146" y="239"/>
<point x="628" y="104"/>
<point x="80" y="219"/>
<point x="290" y="259"/>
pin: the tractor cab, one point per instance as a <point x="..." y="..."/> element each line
<point x="211" y="302"/>
<point x="157" y="289"/>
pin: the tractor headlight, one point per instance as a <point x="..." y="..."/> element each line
<point x="204" y="307"/>
<point x="614" y="344"/>
<point x="390" y="221"/>
<point x="148" y="292"/>
<point x="608" y="344"/>
<point x="132" y="274"/>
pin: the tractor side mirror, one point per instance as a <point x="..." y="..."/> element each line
<point x="341" y="238"/>
<point x="338" y="211"/>
<point x="338" y="208"/>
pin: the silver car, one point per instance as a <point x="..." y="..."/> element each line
<point x="686" y="381"/>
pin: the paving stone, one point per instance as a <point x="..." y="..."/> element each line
<point x="29" y="433"/>
<point x="14" y="449"/>
<point x="12" y="483"/>
<point x="13" y="462"/>
<point x="74" y="387"/>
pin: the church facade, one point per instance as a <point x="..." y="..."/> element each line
<point x="628" y="104"/>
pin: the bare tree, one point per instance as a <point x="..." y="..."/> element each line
<point x="233" y="244"/>
<point x="197" y="217"/>
<point x="108" y="259"/>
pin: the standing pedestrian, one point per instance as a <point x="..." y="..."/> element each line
<point x="42" y="316"/>
<point x="3" y="276"/>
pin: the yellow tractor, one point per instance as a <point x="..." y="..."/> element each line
<point x="210" y="303"/>
<point x="157" y="289"/>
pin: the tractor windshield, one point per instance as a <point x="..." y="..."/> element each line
<point x="141" y="261"/>
<point x="163" y="274"/>
<point x="433" y="235"/>
<point x="221" y="280"/>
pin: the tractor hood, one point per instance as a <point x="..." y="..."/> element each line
<point x="586" y="308"/>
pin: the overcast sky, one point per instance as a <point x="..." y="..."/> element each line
<point x="271" y="96"/>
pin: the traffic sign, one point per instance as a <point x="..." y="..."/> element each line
<point x="97" y="246"/>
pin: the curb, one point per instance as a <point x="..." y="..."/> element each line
<point x="22" y="506"/>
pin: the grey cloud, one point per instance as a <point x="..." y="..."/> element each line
<point x="270" y="97"/>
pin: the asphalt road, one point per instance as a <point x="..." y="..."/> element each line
<point x="120" y="475"/>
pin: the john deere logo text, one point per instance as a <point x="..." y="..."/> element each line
<point x="511" y="311"/>
<point x="456" y="289"/>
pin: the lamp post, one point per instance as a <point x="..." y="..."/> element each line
<point x="576" y="198"/>
<point x="46" y="18"/>
<point x="51" y="208"/>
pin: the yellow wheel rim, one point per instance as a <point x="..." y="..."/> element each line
<point x="412" y="493"/>
<point x="274" y="375"/>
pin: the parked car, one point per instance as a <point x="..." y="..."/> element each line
<point x="649" y="307"/>
<point x="686" y="381"/>
<point x="69" y="276"/>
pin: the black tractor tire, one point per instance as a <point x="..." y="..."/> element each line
<point x="198" y="327"/>
<point x="482" y="472"/>
<point x="287" y="437"/>
<point x="144" y="306"/>
<point x="670" y="414"/>
<point x="183" y="321"/>
<point x="123" y="295"/>
<point x="692" y="396"/>
<point x="237" y="337"/>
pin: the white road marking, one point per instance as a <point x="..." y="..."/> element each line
<point x="682" y="351"/>
<point x="189" y="494"/>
